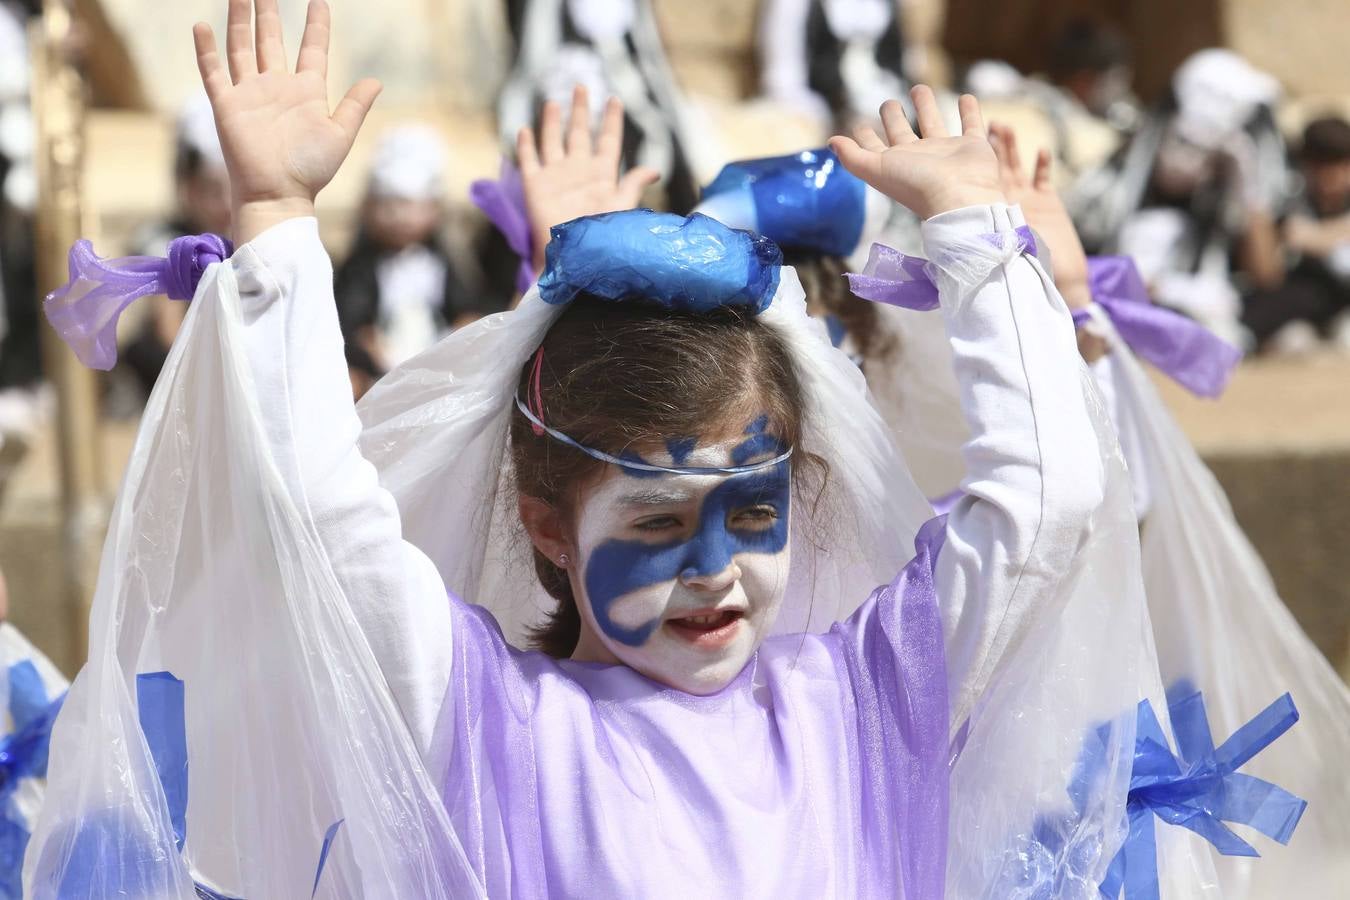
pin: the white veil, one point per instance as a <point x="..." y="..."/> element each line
<point x="436" y="429"/>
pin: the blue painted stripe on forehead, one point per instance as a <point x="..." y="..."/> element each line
<point x="631" y="462"/>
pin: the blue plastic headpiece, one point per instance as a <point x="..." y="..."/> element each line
<point x="695" y="264"/>
<point x="803" y="201"/>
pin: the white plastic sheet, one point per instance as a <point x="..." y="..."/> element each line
<point x="212" y="574"/>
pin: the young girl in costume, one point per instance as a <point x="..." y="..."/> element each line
<point x="282" y="698"/>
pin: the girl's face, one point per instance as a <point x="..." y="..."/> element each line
<point x="681" y="576"/>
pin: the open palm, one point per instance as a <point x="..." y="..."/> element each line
<point x="929" y="172"/>
<point x="580" y="177"/>
<point x="279" y="139"/>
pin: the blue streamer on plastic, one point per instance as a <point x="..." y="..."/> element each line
<point x="23" y="754"/>
<point x="803" y="201"/>
<point x="100" y="859"/>
<point x="693" y="264"/>
<point x="1199" y="788"/>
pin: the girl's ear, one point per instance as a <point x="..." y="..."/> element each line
<point x="546" y="528"/>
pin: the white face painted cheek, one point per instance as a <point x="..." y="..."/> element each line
<point x="632" y="623"/>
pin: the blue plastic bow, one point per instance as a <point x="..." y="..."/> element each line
<point x="898" y="279"/>
<point x="693" y="264"/>
<point x="1188" y="352"/>
<point x="802" y="201"/>
<point x="1199" y="788"/>
<point x="23" y="754"/>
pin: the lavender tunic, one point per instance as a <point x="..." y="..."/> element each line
<point x="572" y="779"/>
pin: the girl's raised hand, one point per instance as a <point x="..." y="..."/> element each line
<point x="564" y="180"/>
<point x="1045" y="212"/>
<point x="931" y="172"/>
<point x="282" y="144"/>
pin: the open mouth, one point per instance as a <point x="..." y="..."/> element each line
<point x="712" y="629"/>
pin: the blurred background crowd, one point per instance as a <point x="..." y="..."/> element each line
<point x="1207" y="139"/>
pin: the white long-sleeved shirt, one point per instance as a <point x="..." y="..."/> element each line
<point x="1034" y="475"/>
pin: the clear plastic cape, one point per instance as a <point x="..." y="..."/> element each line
<point x="1217" y="623"/>
<point x="271" y="760"/>
<point x="1221" y="626"/>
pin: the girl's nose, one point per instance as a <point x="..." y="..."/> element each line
<point x="720" y="580"/>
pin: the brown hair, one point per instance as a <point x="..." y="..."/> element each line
<point x="827" y="292"/>
<point x="613" y="375"/>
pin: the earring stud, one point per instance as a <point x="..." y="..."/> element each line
<point x="563" y="560"/>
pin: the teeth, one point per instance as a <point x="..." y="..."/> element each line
<point x="708" y="620"/>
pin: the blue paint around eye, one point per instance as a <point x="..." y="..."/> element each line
<point x="619" y="567"/>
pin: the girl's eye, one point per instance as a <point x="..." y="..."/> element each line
<point x="755" y="516"/>
<point x="657" y="523"/>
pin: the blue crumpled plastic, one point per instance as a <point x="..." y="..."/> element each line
<point x="804" y="201"/>
<point x="693" y="264"/>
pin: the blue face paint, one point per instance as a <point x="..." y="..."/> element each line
<point x="619" y="567"/>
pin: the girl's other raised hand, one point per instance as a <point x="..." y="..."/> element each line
<point x="565" y="179"/>
<point x="282" y="143"/>
<point x="930" y="172"/>
<point x="1045" y="213"/>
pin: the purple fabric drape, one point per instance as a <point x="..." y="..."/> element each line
<point x="1186" y="351"/>
<point x="85" y="310"/>
<point x="503" y="202"/>
<point x="896" y="279"/>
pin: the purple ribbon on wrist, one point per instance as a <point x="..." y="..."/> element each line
<point x="1185" y="350"/>
<point x="893" y="278"/>
<point x="503" y="202"/>
<point x="84" y="311"/>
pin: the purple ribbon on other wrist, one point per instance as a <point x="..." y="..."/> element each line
<point x="84" y="311"/>
<point x="896" y="279"/>
<point x="1185" y="350"/>
<point x="503" y="202"/>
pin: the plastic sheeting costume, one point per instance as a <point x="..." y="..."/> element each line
<point x="321" y="606"/>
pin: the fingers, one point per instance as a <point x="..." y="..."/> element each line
<point x="239" y="41"/>
<point x="214" y="77"/>
<point x="550" y="133"/>
<point x="527" y="156"/>
<point x="868" y="139"/>
<point x="1005" y="151"/>
<point x="1041" y="179"/>
<point x="579" y="123"/>
<point x="972" y="120"/>
<point x="314" y="43"/>
<point x="857" y="160"/>
<point x="609" y="145"/>
<point x="896" y="123"/>
<point x="270" y="50"/>
<point x="351" y="111"/>
<point x="926" y="111"/>
<point x="634" y="182"/>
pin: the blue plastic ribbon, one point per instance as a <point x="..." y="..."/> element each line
<point x="1199" y="788"/>
<point x="802" y="201"/>
<point x="1188" y="352"/>
<point x="23" y="754"/>
<point x="897" y="279"/>
<point x="693" y="264"/>
<point x="99" y="859"/>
